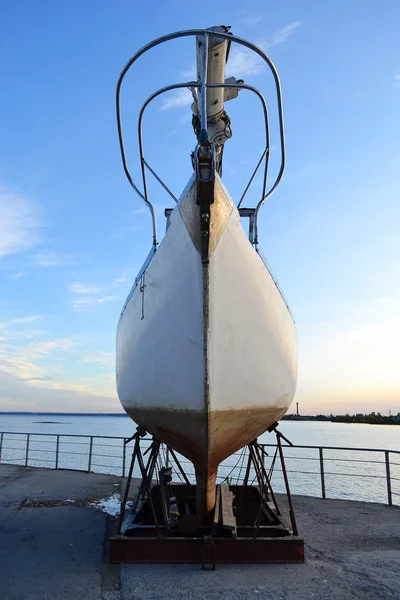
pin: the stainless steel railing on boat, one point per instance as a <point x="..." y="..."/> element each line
<point x="369" y="474"/>
<point x="200" y="88"/>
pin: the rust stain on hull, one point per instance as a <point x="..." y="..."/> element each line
<point x="230" y="430"/>
<point x="206" y="439"/>
<point x="185" y="431"/>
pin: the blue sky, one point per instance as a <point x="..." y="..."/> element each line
<point x="73" y="235"/>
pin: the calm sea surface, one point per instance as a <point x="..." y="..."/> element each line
<point x="351" y="474"/>
<point x="310" y="433"/>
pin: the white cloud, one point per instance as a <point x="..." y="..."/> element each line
<point x="282" y="35"/>
<point x="33" y="370"/>
<point x="396" y="80"/>
<point x="20" y="321"/>
<point x="106" y="299"/>
<point x="84" y="290"/>
<point x="26" y="362"/>
<point x="17" y="394"/>
<point x="19" y="222"/>
<point x="182" y="97"/>
<point x="15" y="329"/>
<point x="249" y="21"/>
<point x="87" y="296"/>
<point x="105" y="359"/>
<point x="190" y="73"/>
<point x="140" y="211"/>
<point x="120" y="280"/>
<point x="49" y="258"/>
<point x="243" y="62"/>
<point x="86" y="302"/>
<point x="43" y="349"/>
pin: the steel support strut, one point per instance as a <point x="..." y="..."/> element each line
<point x="165" y="528"/>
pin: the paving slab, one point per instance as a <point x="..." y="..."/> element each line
<point x="32" y="484"/>
<point x="58" y="552"/>
<point x="54" y="552"/>
<point x="352" y="552"/>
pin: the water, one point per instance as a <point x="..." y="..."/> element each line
<point x="118" y="426"/>
<point x="351" y="474"/>
<point x="310" y="433"/>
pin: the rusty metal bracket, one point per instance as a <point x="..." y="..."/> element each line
<point x="208" y="564"/>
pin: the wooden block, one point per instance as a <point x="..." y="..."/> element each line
<point x="228" y="518"/>
<point x="217" y="509"/>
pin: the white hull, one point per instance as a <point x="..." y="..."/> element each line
<point x="213" y="362"/>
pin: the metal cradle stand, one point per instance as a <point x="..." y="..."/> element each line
<point x="161" y="524"/>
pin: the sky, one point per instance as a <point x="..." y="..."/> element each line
<point x="73" y="234"/>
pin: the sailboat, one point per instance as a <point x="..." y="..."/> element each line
<point x="206" y="349"/>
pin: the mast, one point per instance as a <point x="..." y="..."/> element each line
<point x="210" y="121"/>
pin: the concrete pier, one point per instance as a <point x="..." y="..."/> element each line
<point x="54" y="549"/>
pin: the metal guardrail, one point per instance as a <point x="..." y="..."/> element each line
<point x="379" y="475"/>
<point x="201" y="87"/>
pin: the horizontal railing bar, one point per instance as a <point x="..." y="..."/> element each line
<point x="375" y="462"/>
<point x="74" y="453"/>
<point x="32" y="441"/>
<point x="85" y="435"/>
<point x="301" y="472"/>
<point x="288" y="457"/>
<point x="108" y="445"/>
<point x="118" y="456"/>
<point x="14" y="447"/>
<point x="39" y="450"/>
<point x="316" y="458"/>
<point x="332" y="473"/>
<point x="75" y="443"/>
<point x="333" y="448"/>
<point x="77" y="435"/>
<point x="355" y="475"/>
<point x="394" y="478"/>
<point x="338" y="448"/>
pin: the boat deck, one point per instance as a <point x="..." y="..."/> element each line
<point x="53" y="548"/>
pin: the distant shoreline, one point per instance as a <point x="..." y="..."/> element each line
<point x="369" y="419"/>
<point x="62" y="414"/>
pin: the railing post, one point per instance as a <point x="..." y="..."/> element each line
<point x="27" y="448"/>
<point x="1" y="444"/>
<point x="123" y="456"/>
<point x="388" y="482"/>
<point x="90" y="454"/>
<point x="321" y="468"/>
<point x="263" y="454"/>
<point x="57" y="449"/>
